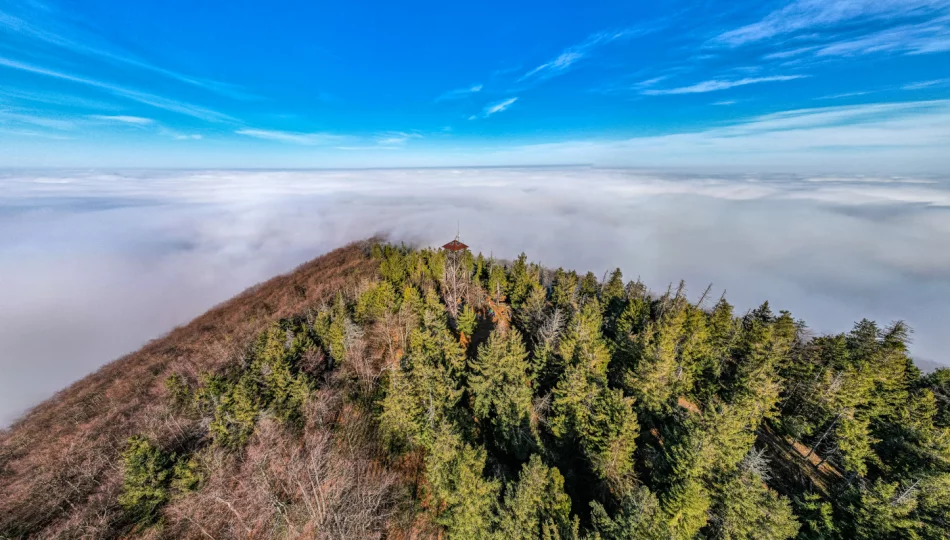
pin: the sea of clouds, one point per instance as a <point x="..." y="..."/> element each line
<point x="93" y="264"/>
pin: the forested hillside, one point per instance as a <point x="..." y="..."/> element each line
<point x="383" y="391"/>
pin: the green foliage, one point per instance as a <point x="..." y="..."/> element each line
<point x="660" y="413"/>
<point x="500" y="387"/>
<point x="613" y="290"/>
<point x="187" y="475"/>
<point x="939" y="383"/>
<point x="520" y="281"/>
<point x="564" y="292"/>
<point x="659" y="374"/>
<point x="462" y="499"/>
<point x="582" y="344"/>
<point x="537" y="507"/>
<point x="589" y="288"/>
<point x="933" y="505"/>
<point x="145" y="484"/>
<point x="375" y="301"/>
<point x="686" y="506"/>
<point x="402" y="416"/>
<point x="497" y="281"/>
<point x="181" y="393"/>
<point x="423" y="390"/>
<point x="750" y="510"/>
<point x="639" y="517"/>
<point x="151" y="476"/>
<point x="854" y="442"/>
<point x="235" y="414"/>
<point x="467" y="321"/>
<point x="885" y="511"/>
<point x="600" y="420"/>
<point x="816" y="516"/>
<point x="269" y="382"/>
<point x="331" y="327"/>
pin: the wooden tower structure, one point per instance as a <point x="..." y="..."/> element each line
<point x="455" y="282"/>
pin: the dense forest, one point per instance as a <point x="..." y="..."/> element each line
<point x="438" y="394"/>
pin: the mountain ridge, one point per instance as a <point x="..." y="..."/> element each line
<point x="381" y="391"/>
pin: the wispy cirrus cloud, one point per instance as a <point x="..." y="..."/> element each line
<point x="396" y="138"/>
<point x="460" y="93"/>
<point x="846" y="95"/>
<point x="809" y="15"/>
<point x="922" y="38"/>
<point x="64" y="33"/>
<point x="9" y="117"/>
<point x="153" y="100"/>
<point x="46" y="98"/>
<point x="295" y="137"/>
<point x="494" y="108"/>
<point x="921" y="85"/>
<point x="901" y="136"/>
<point x="123" y="119"/>
<point x="718" y="84"/>
<point x="790" y="53"/>
<point x="573" y="54"/>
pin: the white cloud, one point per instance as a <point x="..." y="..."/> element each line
<point x="396" y="138"/>
<point x="494" y="108"/>
<point x="562" y="62"/>
<point x="51" y="122"/>
<point x="136" y="120"/>
<point x="44" y="26"/>
<point x="921" y="85"/>
<point x="295" y="137"/>
<point x="902" y="136"/>
<point x="650" y="82"/>
<point x="781" y="55"/>
<point x="718" y="84"/>
<point x="159" y="102"/>
<point x="922" y="38"/>
<point x="805" y="15"/>
<point x="846" y="95"/>
<point x="460" y="93"/>
<point x="832" y="249"/>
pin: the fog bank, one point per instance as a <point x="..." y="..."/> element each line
<point x="94" y="264"/>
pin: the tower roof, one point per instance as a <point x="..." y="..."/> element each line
<point x="454" y="245"/>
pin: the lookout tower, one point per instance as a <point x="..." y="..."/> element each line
<point x="454" y="279"/>
<point x="454" y="246"/>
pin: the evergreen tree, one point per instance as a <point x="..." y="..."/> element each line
<point x="536" y="506"/>
<point x="588" y="288"/>
<point x="564" y="292"/>
<point x="461" y="498"/>
<point x="639" y="517"/>
<point x="501" y="393"/>
<point x="750" y="510"/>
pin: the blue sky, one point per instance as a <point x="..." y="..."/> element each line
<point x="814" y="84"/>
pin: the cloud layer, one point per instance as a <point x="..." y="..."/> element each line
<point x="95" y="264"/>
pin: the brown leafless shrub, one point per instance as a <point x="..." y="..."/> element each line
<point x="60" y="470"/>
<point x="324" y="484"/>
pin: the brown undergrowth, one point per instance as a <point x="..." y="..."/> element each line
<point x="61" y="467"/>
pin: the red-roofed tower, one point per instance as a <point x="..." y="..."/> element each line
<point x="455" y="280"/>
